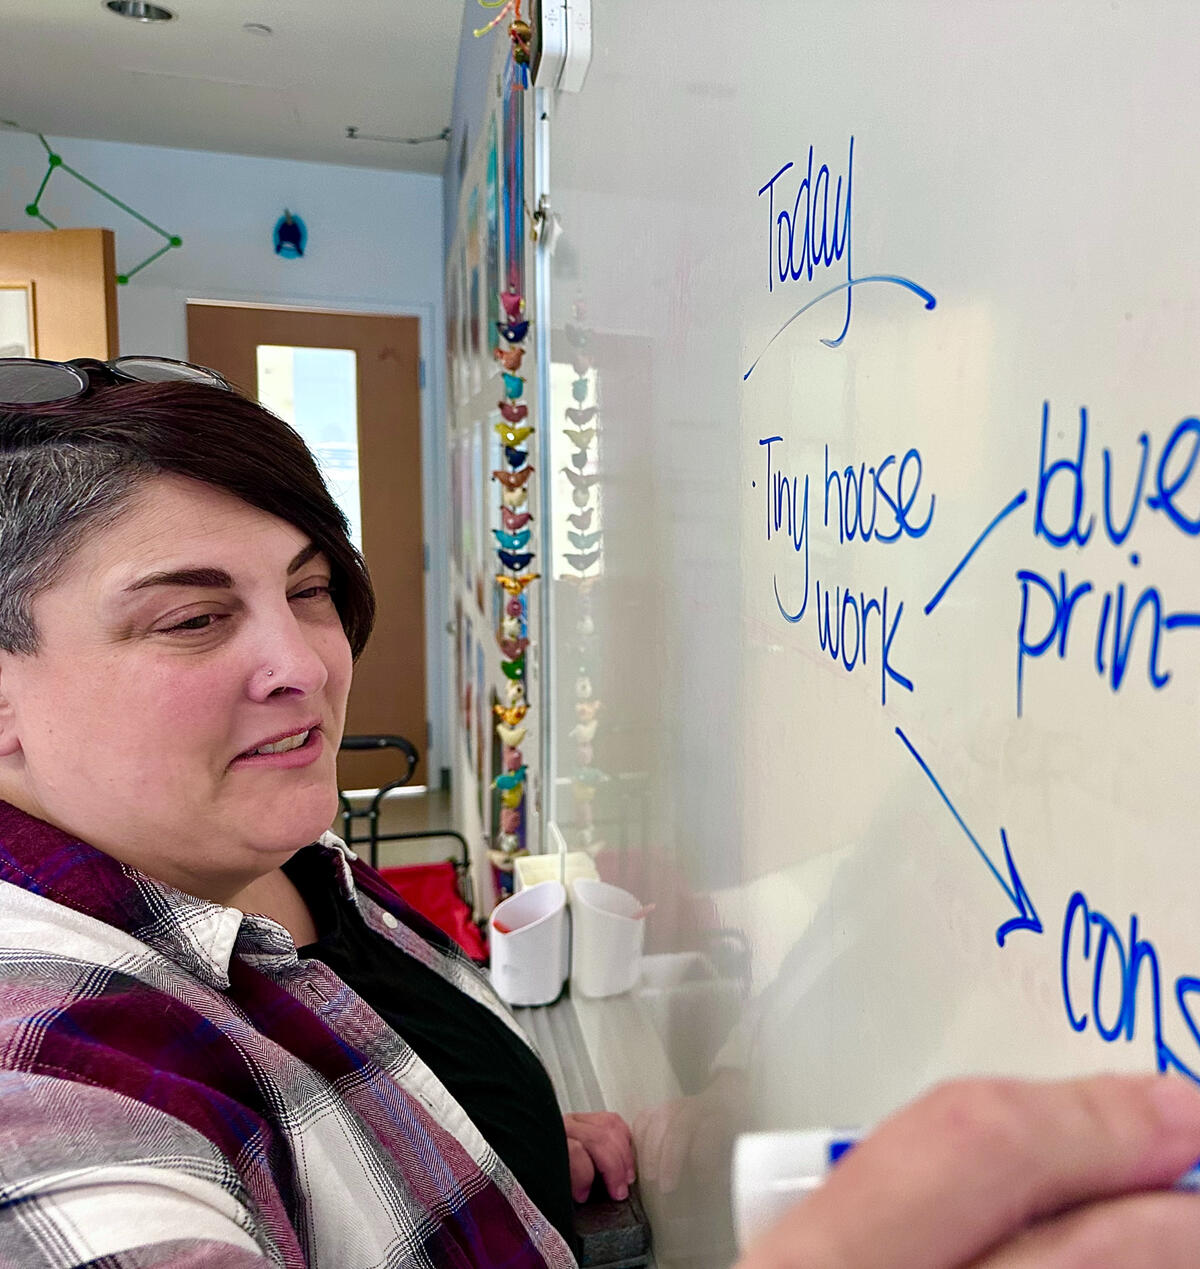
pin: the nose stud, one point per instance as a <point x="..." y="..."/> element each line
<point x="270" y="673"/>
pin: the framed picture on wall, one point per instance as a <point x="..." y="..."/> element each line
<point x="18" y="321"/>
<point x="458" y="503"/>
<point x="491" y="209"/>
<point x="480" y="482"/>
<point x="464" y="316"/>
<point x="473" y="547"/>
<point x="475" y="299"/>
<point x="514" y="183"/>
<point x="451" y="335"/>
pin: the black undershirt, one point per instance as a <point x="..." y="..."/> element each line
<point x="492" y="1074"/>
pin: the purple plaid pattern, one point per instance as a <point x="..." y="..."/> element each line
<point x="178" y="1087"/>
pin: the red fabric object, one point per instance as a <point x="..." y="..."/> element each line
<point x="432" y="889"/>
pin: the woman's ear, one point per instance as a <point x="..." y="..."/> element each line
<point x="10" y="742"/>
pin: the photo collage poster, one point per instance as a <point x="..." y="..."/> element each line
<point x="485" y="257"/>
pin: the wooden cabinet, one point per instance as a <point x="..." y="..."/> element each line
<point x="74" y="278"/>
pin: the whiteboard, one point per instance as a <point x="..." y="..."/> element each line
<point x="894" y="311"/>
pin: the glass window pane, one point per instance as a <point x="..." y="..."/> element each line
<point x="316" y="391"/>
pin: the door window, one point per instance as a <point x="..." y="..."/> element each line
<point x="316" y="391"/>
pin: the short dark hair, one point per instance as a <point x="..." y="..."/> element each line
<point x="70" y="468"/>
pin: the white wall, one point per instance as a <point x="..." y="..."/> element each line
<point x="375" y="243"/>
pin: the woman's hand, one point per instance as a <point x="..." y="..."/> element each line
<point x="998" y="1174"/>
<point x="599" y="1141"/>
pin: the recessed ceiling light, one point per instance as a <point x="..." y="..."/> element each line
<point x="257" y="28"/>
<point x="139" y="11"/>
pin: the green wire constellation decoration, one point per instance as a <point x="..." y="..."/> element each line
<point x="55" y="161"/>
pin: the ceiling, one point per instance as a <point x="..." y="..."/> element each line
<point x="70" y="68"/>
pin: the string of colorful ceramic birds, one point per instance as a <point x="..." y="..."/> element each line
<point x="585" y="536"/>
<point x="520" y="34"/>
<point x="513" y="539"/>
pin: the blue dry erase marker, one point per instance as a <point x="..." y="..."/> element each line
<point x="1190" y="1180"/>
<point x="773" y="1170"/>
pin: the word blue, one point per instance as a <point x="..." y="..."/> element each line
<point x="1177" y="462"/>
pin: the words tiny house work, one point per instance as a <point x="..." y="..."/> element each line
<point x="891" y="489"/>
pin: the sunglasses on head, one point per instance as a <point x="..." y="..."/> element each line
<point x="30" y="381"/>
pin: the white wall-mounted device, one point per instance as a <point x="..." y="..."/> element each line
<point x="565" y="32"/>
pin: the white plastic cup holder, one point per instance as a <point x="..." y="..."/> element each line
<point x="609" y="928"/>
<point x="529" y="945"/>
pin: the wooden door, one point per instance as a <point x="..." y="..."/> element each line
<point x="389" y="682"/>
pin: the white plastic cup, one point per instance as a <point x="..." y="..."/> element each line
<point x="529" y="945"/>
<point x="606" y="953"/>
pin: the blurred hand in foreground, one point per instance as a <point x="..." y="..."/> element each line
<point x="1005" y="1174"/>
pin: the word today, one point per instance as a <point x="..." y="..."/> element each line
<point x="805" y="234"/>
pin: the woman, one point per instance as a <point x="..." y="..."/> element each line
<point x="179" y="1085"/>
<point x="179" y="612"/>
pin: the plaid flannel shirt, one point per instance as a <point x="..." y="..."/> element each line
<point x="178" y="1088"/>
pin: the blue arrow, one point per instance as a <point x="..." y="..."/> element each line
<point x="1014" y="888"/>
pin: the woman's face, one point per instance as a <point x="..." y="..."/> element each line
<point x="178" y="645"/>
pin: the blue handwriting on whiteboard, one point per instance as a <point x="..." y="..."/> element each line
<point x="1051" y="606"/>
<point x="843" y="619"/>
<point x="1131" y="967"/>
<point x="789" y="260"/>
<point x="850" y="515"/>
<point x="1175" y="467"/>
<point x="833" y="632"/>
<point x="1118" y="971"/>
<point x="1116" y="613"/>
<point x="997" y="520"/>
<point x="782" y="510"/>
<point x="1018" y="896"/>
<point x="807" y="237"/>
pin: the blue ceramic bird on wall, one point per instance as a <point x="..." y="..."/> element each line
<point x="515" y="561"/>
<point x="290" y="236"/>
<point x="513" y="541"/>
